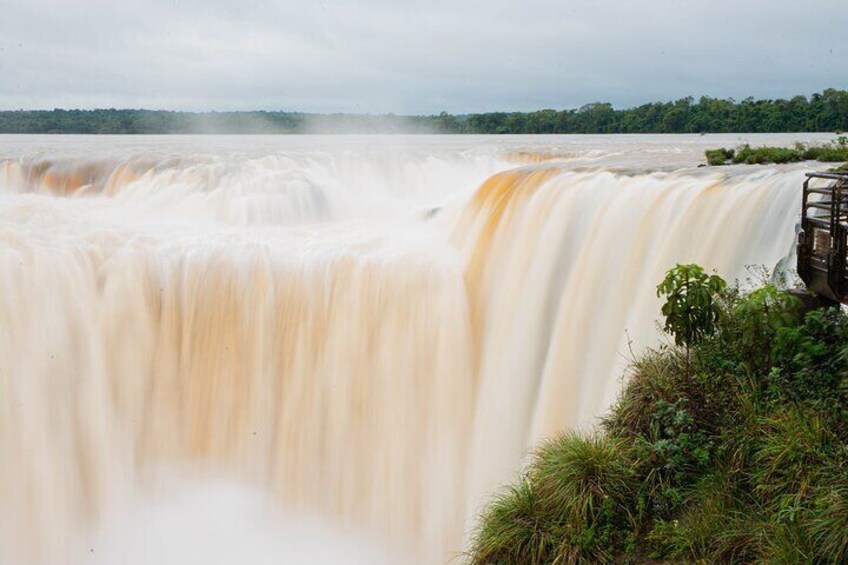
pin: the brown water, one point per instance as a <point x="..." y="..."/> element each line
<point x="288" y="344"/>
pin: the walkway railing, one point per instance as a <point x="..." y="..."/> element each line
<point x="823" y="241"/>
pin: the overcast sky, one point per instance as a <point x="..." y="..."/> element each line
<point x="413" y="56"/>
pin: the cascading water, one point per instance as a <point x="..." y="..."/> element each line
<point x="366" y="331"/>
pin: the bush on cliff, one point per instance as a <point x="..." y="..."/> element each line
<point x="733" y="452"/>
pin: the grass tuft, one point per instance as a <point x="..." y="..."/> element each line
<point x="514" y="529"/>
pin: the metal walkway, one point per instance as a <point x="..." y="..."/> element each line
<point x="823" y="241"/>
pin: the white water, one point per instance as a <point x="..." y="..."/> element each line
<point x="209" y="344"/>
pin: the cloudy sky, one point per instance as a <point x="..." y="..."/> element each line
<point x="412" y="56"/>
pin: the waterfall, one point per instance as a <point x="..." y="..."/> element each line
<point x="375" y="337"/>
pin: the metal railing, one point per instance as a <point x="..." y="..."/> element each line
<point x="823" y="241"/>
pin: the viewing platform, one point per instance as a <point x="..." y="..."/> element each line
<point x="823" y="241"/>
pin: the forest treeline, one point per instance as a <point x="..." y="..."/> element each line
<point x="824" y="111"/>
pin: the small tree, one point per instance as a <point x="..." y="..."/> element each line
<point x="691" y="308"/>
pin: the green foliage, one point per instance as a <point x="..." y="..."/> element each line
<point x="829" y="153"/>
<point x="829" y="515"/>
<point x="735" y="452"/>
<point x="811" y="365"/>
<point x="764" y="312"/>
<point x="795" y="445"/>
<point x="761" y="315"/>
<point x="719" y="156"/>
<point x="573" y="505"/>
<point x="690" y="309"/>
<point x="676" y="446"/>
<point x="597" y="478"/>
<point x="832" y="152"/>
<point x="654" y="379"/>
<point x="762" y="155"/>
<point x="716" y="521"/>
<point x="515" y="529"/>
<point x="588" y="471"/>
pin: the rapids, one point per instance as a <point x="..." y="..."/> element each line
<point x="364" y="333"/>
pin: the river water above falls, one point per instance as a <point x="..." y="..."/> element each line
<point x="253" y="349"/>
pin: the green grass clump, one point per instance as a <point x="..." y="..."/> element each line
<point x="731" y="450"/>
<point x="516" y="529"/>
<point x="828" y="517"/>
<point x="530" y="523"/>
<point x="762" y="155"/>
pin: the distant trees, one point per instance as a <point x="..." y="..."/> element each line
<point x="824" y="111"/>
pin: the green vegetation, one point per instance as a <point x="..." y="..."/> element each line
<point x="733" y="452"/>
<point x="691" y="311"/>
<point x="836" y="151"/>
<point x="719" y="156"/>
<point x="824" y="111"/>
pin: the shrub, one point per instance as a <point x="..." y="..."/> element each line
<point x="811" y="366"/>
<point x="764" y="312"/>
<point x="829" y="515"/>
<point x="761" y="315"/>
<point x="691" y="310"/>
<point x="826" y="153"/>
<point x="719" y="156"/>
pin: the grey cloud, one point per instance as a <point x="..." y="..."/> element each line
<point x="414" y="56"/>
